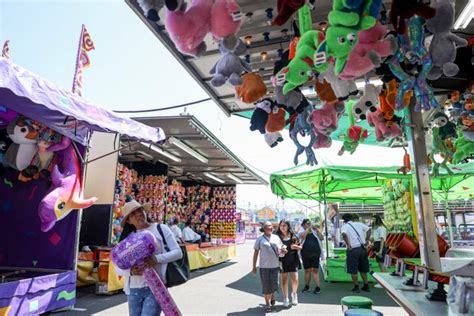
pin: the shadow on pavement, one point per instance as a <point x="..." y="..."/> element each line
<point x="331" y="293"/>
<point x="202" y="272"/>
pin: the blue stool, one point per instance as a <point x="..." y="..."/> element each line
<point x="362" y="312"/>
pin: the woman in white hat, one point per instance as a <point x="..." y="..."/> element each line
<point x="141" y="301"/>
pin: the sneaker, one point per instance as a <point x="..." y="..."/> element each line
<point x="305" y="289"/>
<point x="356" y="289"/>
<point x="294" y="299"/>
<point x="317" y="290"/>
<point x="378" y="286"/>
<point x="366" y="288"/>
<point x="286" y="302"/>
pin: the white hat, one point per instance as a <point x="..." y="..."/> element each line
<point x="132" y="206"/>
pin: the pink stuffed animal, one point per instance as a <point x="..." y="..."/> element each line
<point x="383" y="131"/>
<point x="188" y="28"/>
<point x="367" y="53"/>
<point x="325" y="119"/>
<point x="226" y="18"/>
<point x="322" y="141"/>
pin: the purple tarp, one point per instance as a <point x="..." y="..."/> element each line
<point x="38" y="99"/>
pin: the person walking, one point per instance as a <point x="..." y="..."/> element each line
<point x="290" y="262"/>
<point x="357" y="258"/>
<point x="141" y="301"/>
<point x="379" y="236"/>
<point x="270" y="248"/>
<point x="310" y="238"/>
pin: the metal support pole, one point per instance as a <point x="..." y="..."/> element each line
<point x="422" y="193"/>
<point x="325" y="214"/>
<point x="449" y="220"/>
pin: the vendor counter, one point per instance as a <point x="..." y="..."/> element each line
<point x="412" y="299"/>
<point x="208" y="255"/>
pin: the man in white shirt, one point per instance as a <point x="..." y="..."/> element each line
<point x="190" y="236"/>
<point x="178" y="235"/>
<point x="355" y="235"/>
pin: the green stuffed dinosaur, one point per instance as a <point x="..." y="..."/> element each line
<point x="440" y="147"/>
<point x="360" y="14"/>
<point x="464" y="148"/>
<point x="354" y="134"/>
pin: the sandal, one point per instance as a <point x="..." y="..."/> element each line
<point x="272" y="302"/>
<point x="268" y="309"/>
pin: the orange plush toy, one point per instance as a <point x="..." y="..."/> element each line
<point x="325" y="91"/>
<point x="276" y="120"/>
<point x="252" y="88"/>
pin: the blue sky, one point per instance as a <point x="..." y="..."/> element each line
<point x="130" y="69"/>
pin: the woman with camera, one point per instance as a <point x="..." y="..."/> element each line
<point x="310" y="239"/>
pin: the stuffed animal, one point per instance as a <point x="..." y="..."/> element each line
<point x="447" y="129"/>
<point x="439" y="147"/>
<point x="252" y="88"/>
<point x="354" y="13"/>
<point x="226" y="18"/>
<point x="230" y="66"/>
<point x="383" y="131"/>
<point x="300" y="124"/>
<point x="322" y="140"/>
<point x="324" y="91"/>
<point x="444" y="43"/>
<point x="188" y="28"/>
<point x="369" y="51"/>
<point x="273" y="139"/>
<point x="260" y="115"/>
<point x="325" y="119"/>
<point x="343" y="89"/>
<point x="367" y="103"/>
<point x="23" y="135"/>
<point x="286" y="8"/>
<point x="402" y="10"/>
<point x="464" y="148"/>
<point x="151" y="8"/>
<point x="276" y="120"/>
<point x="293" y="102"/>
<point x="354" y="135"/>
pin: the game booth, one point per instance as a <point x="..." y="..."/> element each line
<point x="48" y="136"/>
<point x="191" y="177"/>
<point x="252" y="228"/>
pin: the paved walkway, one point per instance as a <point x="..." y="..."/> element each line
<point x="231" y="289"/>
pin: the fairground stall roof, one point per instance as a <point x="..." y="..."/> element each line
<point x="266" y="42"/>
<point x="192" y="152"/>
<point x="24" y="93"/>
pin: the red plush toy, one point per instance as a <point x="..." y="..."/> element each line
<point x="404" y="9"/>
<point x="286" y="8"/>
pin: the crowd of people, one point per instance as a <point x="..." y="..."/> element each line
<point x="283" y="252"/>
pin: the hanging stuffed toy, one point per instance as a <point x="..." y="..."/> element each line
<point x="439" y="147"/>
<point x="325" y="119"/>
<point x="23" y="135"/>
<point x="188" y="28"/>
<point x="447" y="129"/>
<point x="151" y="8"/>
<point x="226" y="19"/>
<point x="252" y="88"/>
<point x="444" y="43"/>
<point x="276" y="120"/>
<point x="65" y="192"/>
<point x="464" y="148"/>
<point x="286" y="8"/>
<point x="273" y="139"/>
<point x="367" y="103"/>
<point x="354" y="134"/>
<point x="300" y="124"/>
<point x="324" y="91"/>
<point x="403" y="10"/>
<point x="369" y="51"/>
<point x="293" y="102"/>
<point x="230" y="66"/>
<point x="343" y="89"/>
<point x="260" y="115"/>
<point x="360" y="14"/>
<point x="383" y="131"/>
<point x="413" y="53"/>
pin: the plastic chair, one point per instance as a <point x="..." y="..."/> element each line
<point x="354" y="302"/>
<point x="362" y="312"/>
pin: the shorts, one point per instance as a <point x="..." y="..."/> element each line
<point x="357" y="260"/>
<point x="311" y="261"/>
<point x="384" y="252"/>
<point x="269" y="279"/>
<point x="290" y="266"/>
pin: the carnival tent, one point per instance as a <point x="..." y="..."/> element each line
<point x="363" y="184"/>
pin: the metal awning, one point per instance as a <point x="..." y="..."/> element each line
<point x="192" y="152"/>
<point x="269" y="39"/>
<point x="28" y="94"/>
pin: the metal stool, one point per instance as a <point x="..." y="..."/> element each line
<point x="354" y="302"/>
<point x="362" y="312"/>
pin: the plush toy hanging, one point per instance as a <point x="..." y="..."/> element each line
<point x="354" y="134"/>
<point x="65" y="192"/>
<point x="403" y="10"/>
<point x="383" y="130"/>
<point x="412" y="50"/>
<point x="273" y="139"/>
<point x="325" y="91"/>
<point x="260" y="115"/>
<point x="252" y="88"/>
<point x="447" y="129"/>
<point x="440" y="147"/>
<point x="276" y="120"/>
<point x="464" y="148"/>
<point x="230" y="66"/>
<point x="286" y="8"/>
<point x="369" y="51"/>
<point x="343" y="89"/>
<point x="23" y="135"/>
<point x="361" y="14"/>
<point x="367" y="103"/>
<point x="444" y="43"/>
<point x="226" y="19"/>
<point x="300" y="124"/>
<point x="151" y="8"/>
<point x="325" y="121"/>
<point x="188" y="28"/>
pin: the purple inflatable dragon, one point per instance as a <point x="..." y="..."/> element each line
<point x="65" y="193"/>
